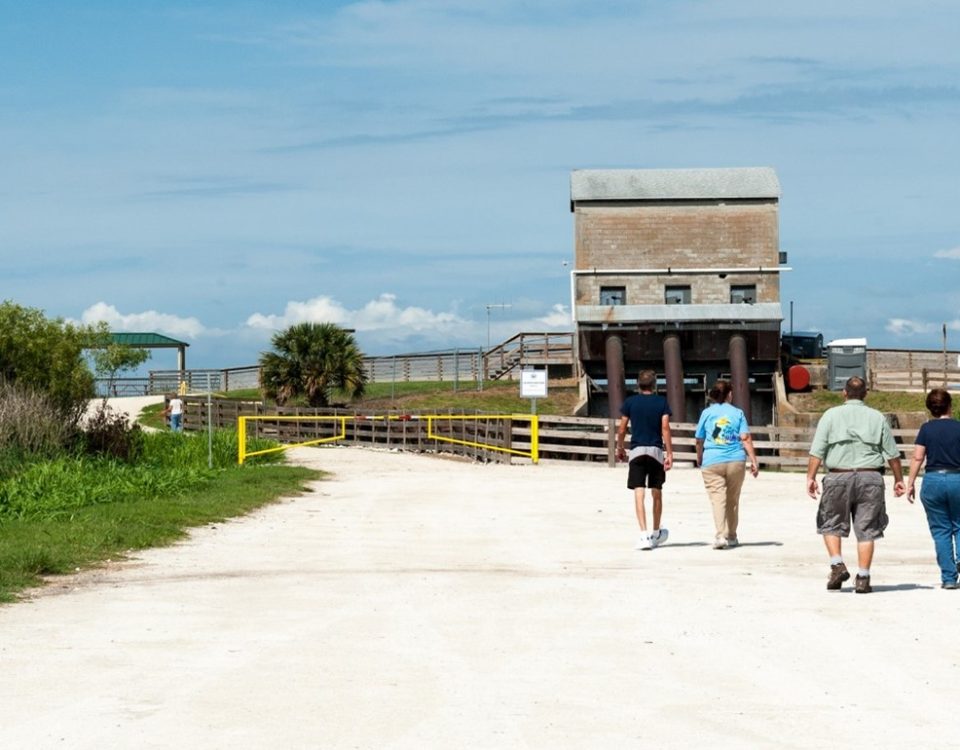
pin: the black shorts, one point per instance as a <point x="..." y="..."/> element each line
<point x="646" y="471"/>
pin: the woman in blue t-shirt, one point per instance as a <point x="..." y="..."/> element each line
<point x="938" y="442"/>
<point x="723" y="445"/>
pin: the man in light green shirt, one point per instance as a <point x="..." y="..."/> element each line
<point x="853" y="442"/>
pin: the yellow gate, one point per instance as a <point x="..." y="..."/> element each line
<point x="431" y="419"/>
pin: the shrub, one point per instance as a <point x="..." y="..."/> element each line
<point x="32" y="424"/>
<point x="47" y="355"/>
<point x="108" y="433"/>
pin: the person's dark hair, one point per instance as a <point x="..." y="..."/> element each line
<point x="719" y="392"/>
<point x="939" y="402"/>
<point x="855" y="388"/>
<point x="647" y="380"/>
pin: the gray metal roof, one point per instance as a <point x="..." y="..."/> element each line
<point x="673" y="184"/>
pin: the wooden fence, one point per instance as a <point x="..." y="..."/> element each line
<point x="918" y="380"/>
<point x="560" y="438"/>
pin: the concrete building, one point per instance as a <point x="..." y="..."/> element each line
<point x="678" y="271"/>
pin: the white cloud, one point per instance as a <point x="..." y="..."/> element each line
<point x="558" y="317"/>
<point x="148" y="321"/>
<point x="381" y="314"/>
<point x="953" y="253"/>
<point x="906" y="327"/>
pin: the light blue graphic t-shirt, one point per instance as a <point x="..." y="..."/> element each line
<point x="720" y="428"/>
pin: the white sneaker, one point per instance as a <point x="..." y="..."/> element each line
<point x="659" y="536"/>
<point x="644" y="542"/>
<point x="720" y="543"/>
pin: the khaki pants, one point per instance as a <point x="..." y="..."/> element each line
<point x="723" y="483"/>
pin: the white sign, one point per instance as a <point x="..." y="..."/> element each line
<point x="533" y="384"/>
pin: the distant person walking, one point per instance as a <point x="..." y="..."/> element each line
<point x="174" y="412"/>
<point x="723" y="447"/>
<point x="938" y="443"/>
<point x="650" y="456"/>
<point x="852" y="441"/>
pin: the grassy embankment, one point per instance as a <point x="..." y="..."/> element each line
<point x="58" y="515"/>
<point x="497" y="397"/>
<point x="885" y="401"/>
<point x="504" y="398"/>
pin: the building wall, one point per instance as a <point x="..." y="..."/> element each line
<point x="676" y="236"/>
<point x="649" y="290"/>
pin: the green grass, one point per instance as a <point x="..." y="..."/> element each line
<point x="57" y="514"/>
<point x="152" y="416"/>
<point x="885" y="401"/>
<point x="380" y="391"/>
<point x="34" y="547"/>
<point x="497" y="396"/>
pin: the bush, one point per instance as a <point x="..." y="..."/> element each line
<point x="47" y="355"/>
<point x="108" y="433"/>
<point x="31" y="424"/>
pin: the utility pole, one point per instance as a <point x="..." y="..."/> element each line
<point x="489" y="308"/>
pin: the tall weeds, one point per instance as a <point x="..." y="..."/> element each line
<point x="31" y="426"/>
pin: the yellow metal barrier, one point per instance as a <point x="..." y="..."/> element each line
<point x="533" y="454"/>
<point x="243" y="454"/>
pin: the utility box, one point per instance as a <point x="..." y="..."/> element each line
<point x="846" y="358"/>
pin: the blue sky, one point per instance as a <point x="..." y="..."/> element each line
<point x="218" y="170"/>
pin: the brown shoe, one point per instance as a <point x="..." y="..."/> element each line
<point x="862" y="585"/>
<point x="838" y="574"/>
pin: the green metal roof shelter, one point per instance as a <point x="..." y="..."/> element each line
<point x="153" y="341"/>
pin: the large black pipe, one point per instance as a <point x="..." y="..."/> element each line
<point x="616" y="384"/>
<point x="739" y="374"/>
<point x="673" y="369"/>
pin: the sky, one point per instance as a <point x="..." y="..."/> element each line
<point x="216" y="171"/>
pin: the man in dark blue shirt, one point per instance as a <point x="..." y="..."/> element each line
<point x="651" y="453"/>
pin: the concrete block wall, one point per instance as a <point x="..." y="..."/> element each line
<point x="649" y="290"/>
<point x="677" y="236"/>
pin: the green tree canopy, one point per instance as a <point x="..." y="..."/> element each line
<point x="47" y="355"/>
<point x="313" y="360"/>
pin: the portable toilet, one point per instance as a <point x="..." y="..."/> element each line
<point x="846" y="358"/>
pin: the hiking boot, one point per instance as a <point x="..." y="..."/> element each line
<point x="862" y="585"/>
<point x="838" y="574"/>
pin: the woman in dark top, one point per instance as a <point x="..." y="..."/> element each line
<point x="939" y="443"/>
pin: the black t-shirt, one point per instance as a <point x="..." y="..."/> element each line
<point x="645" y="411"/>
<point x="941" y="438"/>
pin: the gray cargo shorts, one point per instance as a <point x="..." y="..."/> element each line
<point x="857" y="495"/>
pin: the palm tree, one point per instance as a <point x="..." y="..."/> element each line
<point x="313" y="360"/>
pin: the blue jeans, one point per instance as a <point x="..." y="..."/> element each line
<point x="940" y="495"/>
<point x="176" y="422"/>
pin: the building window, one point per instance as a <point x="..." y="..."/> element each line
<point x="613" y="295"/>
<point x="743" y="294"/>
<point x="677" y="295"/>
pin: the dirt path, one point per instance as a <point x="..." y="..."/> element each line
<point x="411" y="602"/>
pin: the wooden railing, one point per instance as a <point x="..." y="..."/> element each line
<point x="560" y="438"/>
<point x="506" y="359"/>
<point x="920" y="380"/>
